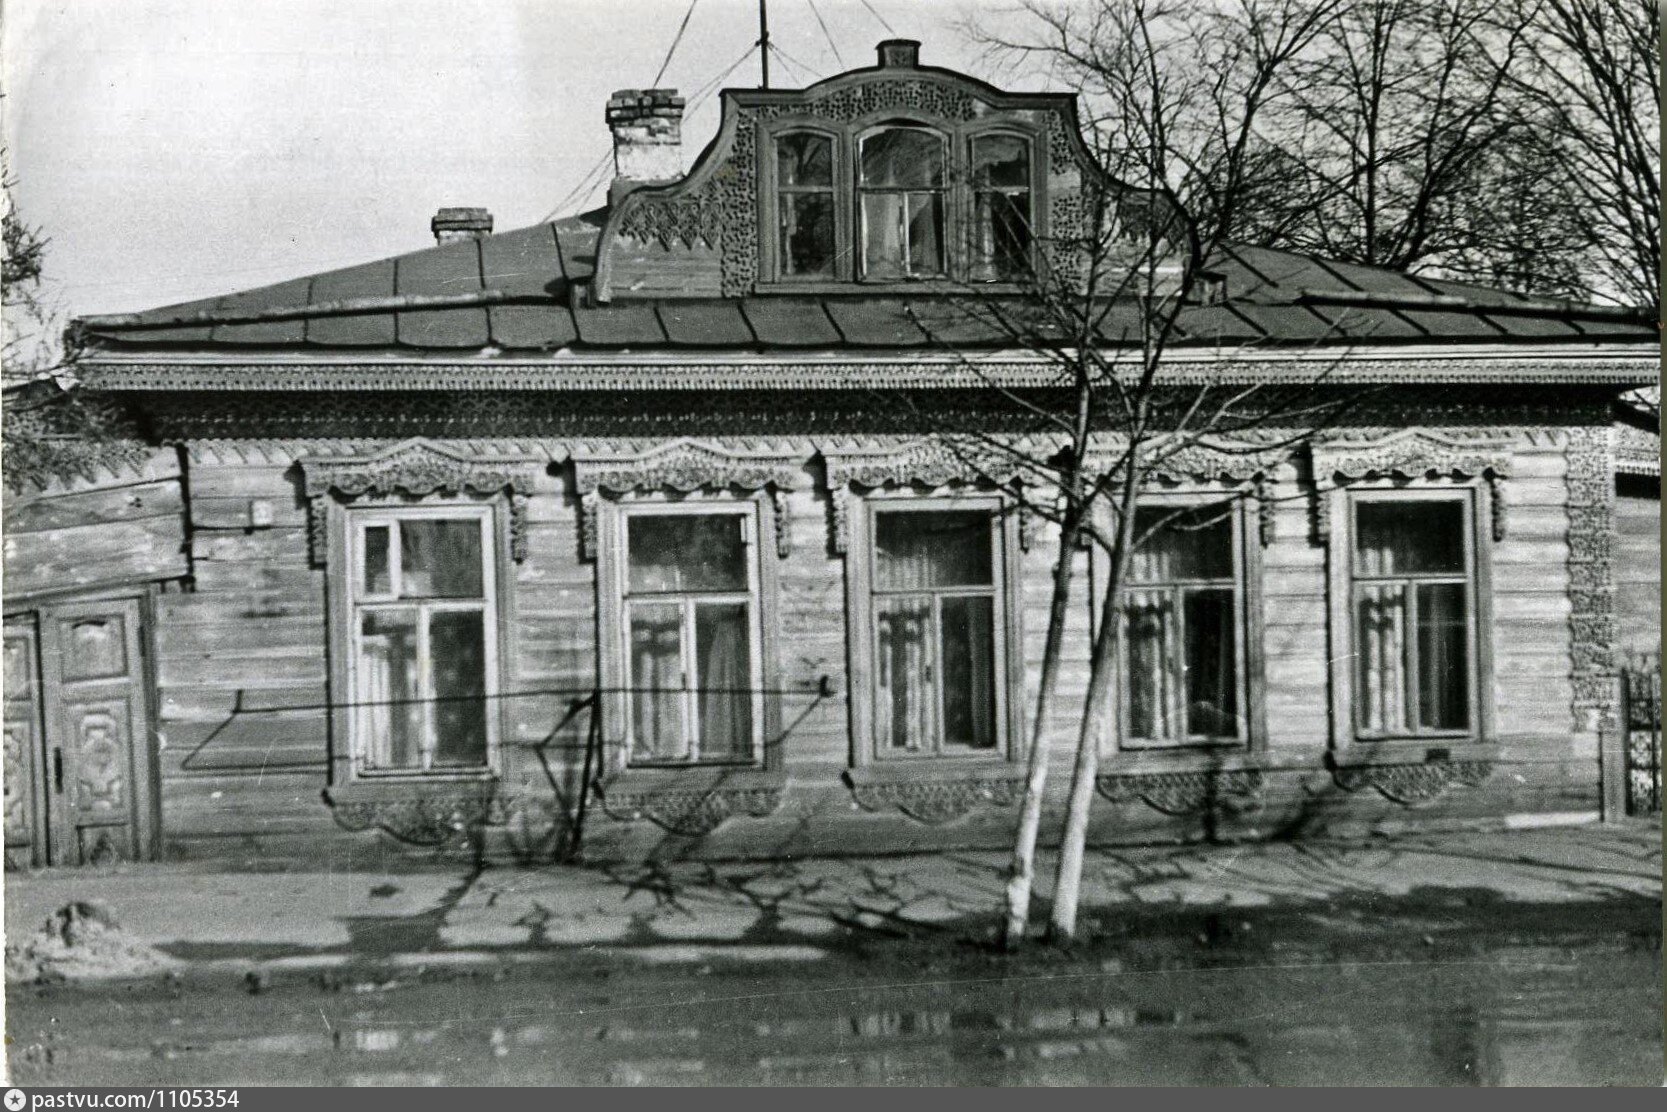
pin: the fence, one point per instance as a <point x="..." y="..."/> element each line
<point x="1641" y="720"/>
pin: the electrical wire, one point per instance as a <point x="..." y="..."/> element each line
<point x="806" y="74"/>
<point x="826" y="33"/>
<point x="681" y="27"/>
<point x="889" y="28"/>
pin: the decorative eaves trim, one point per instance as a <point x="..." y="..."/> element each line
<point x="417" y="467"/>
<point x="852" y="374"/>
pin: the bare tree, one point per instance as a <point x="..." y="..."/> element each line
<point x="1587" y="79"/>
<point x="32" y="321"/>
<point x="1169" y="137"/>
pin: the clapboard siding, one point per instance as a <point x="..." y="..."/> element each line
<point x="246" y="741"/>
<point x="126" y="529"/>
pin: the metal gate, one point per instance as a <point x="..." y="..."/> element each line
<point x="1641" y="699"/>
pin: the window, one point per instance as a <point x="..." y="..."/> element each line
<point x="805" y="205"/>
<point x="935" y="614"/>
<point x="694" y="693"/>
<point x="1184" y="645"/>
<point x="1411" y="606"/>
<point x="901" y="188"/>
<point x="1001" y="221"/>
<point x="422" y="642"/>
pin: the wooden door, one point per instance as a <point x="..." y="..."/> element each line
<point x="91" y="768"/>
<point x="23" y="744"/>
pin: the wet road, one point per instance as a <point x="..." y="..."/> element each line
<point x="1448" y="996"/>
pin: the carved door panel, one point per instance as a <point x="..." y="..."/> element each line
<point x="23" y="745"/>
<point x="95" y="763"/>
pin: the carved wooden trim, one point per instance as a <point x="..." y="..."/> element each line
<point x="427" y="820"/>
<point x="1244" y="463"/>
<point x="1183" y="792"/>
<point x="694" y="811"/>
<point x="933" y="462"/>
<point x="1183" y="368"/>
<point x="936" y="801"/>
<point x="1412" y="453"/>
<point x="1591" y="565"/>
<point x="417" y="467"/>
<point x="686" y="465"/>
<point x="1412" y="783"/>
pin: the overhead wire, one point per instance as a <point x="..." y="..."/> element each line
<point x="592" y="177"/>
<point x="889" y="28"/>
<point x="815" y="11"/>
<point x="681" y="27"/>
<point x="806" y="74"/>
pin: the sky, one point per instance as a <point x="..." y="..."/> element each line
<point x="176" y="149"/>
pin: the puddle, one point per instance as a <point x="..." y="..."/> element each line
<point x="1303" y="1000"/>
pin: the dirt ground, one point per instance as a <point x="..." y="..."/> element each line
<point x="1435" y="986"/>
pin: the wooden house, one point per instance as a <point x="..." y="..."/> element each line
<point x="639" y="524"/>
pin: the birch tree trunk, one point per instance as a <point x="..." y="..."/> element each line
<point x="1062" y="925"/>
<point x="1022" y="877"/>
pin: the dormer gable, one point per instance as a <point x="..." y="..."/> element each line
<point x="894" y="177"/>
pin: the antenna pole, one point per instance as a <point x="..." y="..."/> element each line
<point x="764" y="41"/>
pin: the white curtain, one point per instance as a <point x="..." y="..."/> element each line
<point x="1151" y="637"/>
<point x="1380" y="653"/>
<point x="905" y="700"/>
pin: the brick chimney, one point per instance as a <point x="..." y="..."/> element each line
<point x="453" y="224"/>
<point x="900" y="54"/>
<point x="648" y="135"/>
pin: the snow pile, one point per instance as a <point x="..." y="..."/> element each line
<point x="82" y="940"/>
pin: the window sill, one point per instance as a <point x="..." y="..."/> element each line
<point x="470" y="784"/>
<point x="824" y="287"/>
<point x="1374" y="752"/>
<point x="1233" y="756"/>
<point x="1184" y="781"/>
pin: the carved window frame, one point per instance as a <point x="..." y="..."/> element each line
<point x="757" y="508"/>
<point x="1410" y="465"/>
<point x="691" y="472"/>
<point x="1246" y="502"/>
<point x="415" y="478"/>
<point x="1009" y="637"/>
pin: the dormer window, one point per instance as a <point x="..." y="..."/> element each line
<point x="901" y="187"/>
<point x="1001" y="221"/>
<point x="805" y="203"/>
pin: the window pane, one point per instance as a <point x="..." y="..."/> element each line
<point x="925" y="234"/>
<point x="1150" y="633"/>
<point x="902" y="157"/>
<point x="1380" y="657"/>
<point x="807" y="233"/>
<point x="389" y="714"/>
<point x="457" y="646"/>
<point x="1212" y="668"/>
<point x="1409" y="538"/>
<point x="376" y="576"/>
<point x="1001" y="230"/>
<point x="724" y="661"/>
<point x="1192" y="544"/>
<point x="882" y="236"/>
<point x="969" y="672"/>
<point x="804" y="160"/>
<point x="439" y="559"/>
<point x="657" y="682"/>
<point x="919" y="550"/>
<point x="904" y="694"/>
<point x="1000" y="160"/>
<point x="686" y="552"/>
<point x="1443" y="667"/>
